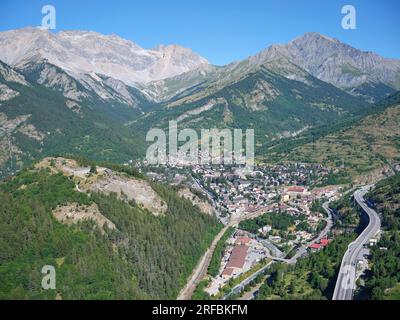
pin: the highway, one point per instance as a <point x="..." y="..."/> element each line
<point x="345" y="283"/>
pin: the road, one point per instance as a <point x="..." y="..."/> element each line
<point x="201" y="269"/>
<point x="345" y="283"/>
<point x="240" y="287"/>
<point x="250" y="295"/>
<point x="303" y="249"/>
<point x="199" y="187"/>
<point x="299" y="253"/>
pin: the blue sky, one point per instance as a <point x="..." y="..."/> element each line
<point x="221" y="30"/>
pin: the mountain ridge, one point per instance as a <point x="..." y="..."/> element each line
<point x="281" y="91"/>
<point x="346" y="67"/>
<point x="81" y="52"/>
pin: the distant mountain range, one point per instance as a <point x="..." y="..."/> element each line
<point x="322" y="57"/>
<point x="334" y="62"/>
<point x="86" y="52"/>
<point x="85" y="93"/>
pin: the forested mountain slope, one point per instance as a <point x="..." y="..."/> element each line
<point x="43" y="111"/>
<point x="362" y="149"/>
<point x="264" y="100"/>
<point x="103" y="246"/>
<point x="383" y="282"/>
<point x="98" y="103"/>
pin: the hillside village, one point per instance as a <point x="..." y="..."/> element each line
<point x="286" y="195"/>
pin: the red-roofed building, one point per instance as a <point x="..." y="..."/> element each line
<point x="316" y="246"/>
<point x="242" y="240"/>
<point x="296" y="189"/>
<point x="227" y="272"/>
<point x="238" y="257"/>
<point x="324" y="242"/>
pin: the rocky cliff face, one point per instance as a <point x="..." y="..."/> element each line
<point x="334" y="62"/>
<point x="82" y="52"/>
<point x="165" y="71"/>
<point x="87" y="93"/>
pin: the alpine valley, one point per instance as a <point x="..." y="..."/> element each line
<point x="94" y="95"/>
<point x="75" y="108"/>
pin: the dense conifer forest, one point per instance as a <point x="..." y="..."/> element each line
<point x="144" y="257"/>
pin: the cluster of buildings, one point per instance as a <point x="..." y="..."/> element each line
<point x="238" y="191"/>
<point x="319" y="245"/>
<point x="243" y="251"/>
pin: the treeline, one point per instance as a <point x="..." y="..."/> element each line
<point x="215" y="262"/>
<point x="280" y="221"/>
<point x="349" y="216"/>
<point x="162" y="250"/>
<point x="86" y="265"/>
<point x="98" y="131"/>
<point x="385" y="260"/>
<point x="145" y="257"/>
<point x="334" y="179"/>
<point x="276" y="150"/>
<point x="312" y="277"/>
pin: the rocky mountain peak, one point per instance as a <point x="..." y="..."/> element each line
<point x="314" y="37"/>
<point x="82" y="52"/>
<point x="334" y="62"/>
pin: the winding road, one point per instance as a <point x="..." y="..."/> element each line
<point x="345" y="283"/>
